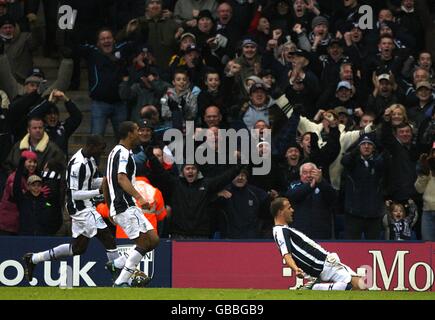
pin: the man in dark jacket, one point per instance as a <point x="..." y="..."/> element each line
<point x="59" y="131"/>
<point x="363" y="172"/>
<point x="313" y="198"/>
<point x="401" y="167"/>
<point x="105" y="74"/>
<point x="242" y="204"/>
<point x="36" y="140"/>
<point x="190" y="195"/>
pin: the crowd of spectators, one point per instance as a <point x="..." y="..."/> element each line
<point x="350" y="108"/>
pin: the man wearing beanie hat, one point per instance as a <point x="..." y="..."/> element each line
<point x="294" y="157"/>
<point x="318" y="21"/>
<point x="318" y="39"/>
<point x="363" y="201"/>
<point x="18" y="47"/>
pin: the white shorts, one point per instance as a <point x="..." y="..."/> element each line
<point x="86" y="223"/>
<point x="133" y="221"/>
<point x="336" y="272"/>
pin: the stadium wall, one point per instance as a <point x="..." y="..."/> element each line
<point x="395" y="266"/>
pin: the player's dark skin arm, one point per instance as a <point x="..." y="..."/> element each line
<point x="127" y="186"/>
<point x="105" y="189"/>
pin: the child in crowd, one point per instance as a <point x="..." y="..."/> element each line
<point x="399" y="220"/>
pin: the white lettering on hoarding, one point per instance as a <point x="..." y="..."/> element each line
<point x="82" y="272"/>
<point x="11" y="264"/>
<point x="429" y="276"/>
<point x="399" y="260"/>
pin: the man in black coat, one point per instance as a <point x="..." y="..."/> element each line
<point x="363" y="172"/>
<point x="190" y="195"/>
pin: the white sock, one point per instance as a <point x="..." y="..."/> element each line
<point x="120" y="261"/>
<point x="130" y="266"/>
<point x="57" y="253"/>
<point x="330" y="286"/>
<point x="112" y="254"/>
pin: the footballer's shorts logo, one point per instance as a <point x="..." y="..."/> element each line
<point x="146" y="264"/>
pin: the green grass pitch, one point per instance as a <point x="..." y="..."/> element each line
<point x="44" y="293"/>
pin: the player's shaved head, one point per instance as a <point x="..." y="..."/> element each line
<point x="276" y="205"/>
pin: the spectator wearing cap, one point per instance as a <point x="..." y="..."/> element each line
<point x="186" y="12"/>
<point x="35" y="213"/>
<point x="426" y="103"/>
<point x="143" y="86"/>
<point x="344" y="97"/>
<point x="318" y="39"/>
<point x="259" y="106"/>
<point x="38" y="141"/>
<point x="363" y="196"/>
<point x="345" y="118"/>
<point x="9" y="213"/>
<point x="157" y="29"/>
<point x="385" y="94"/>
<point x="186" y="39"/>
<point x="59" y="131"/>
<point x="146" y="130"/>
<point x="328" y="66"/>
<point x="14" y="88"/>
<point x="412" y="74"/>
<point x="259" y="28"/>
<point x="18" y="47"/>
<point x="348" y="73"/>
<point x="249" y="60"/>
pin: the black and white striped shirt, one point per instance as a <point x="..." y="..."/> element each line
<point x="120" y="160"/>
<point x="81" y="176"/>
<point x="308" y="255"/>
